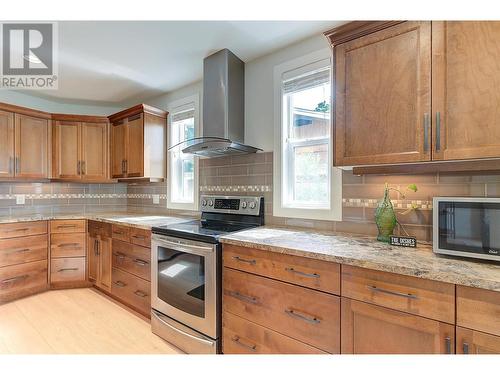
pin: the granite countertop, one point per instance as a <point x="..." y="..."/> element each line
<point x="142" y="221"/>
<point x="366" y="252"/>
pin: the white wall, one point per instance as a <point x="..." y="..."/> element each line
<point x="163" y="101"/>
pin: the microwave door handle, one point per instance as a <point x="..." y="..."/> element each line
<point x="203" y="341"/>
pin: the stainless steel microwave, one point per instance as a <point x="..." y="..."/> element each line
<point x="467" y="227"/>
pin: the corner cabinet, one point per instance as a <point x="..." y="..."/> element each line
<point x="80" y="149"/>
<point x="385" y="76"/>
<point x="139" y="143"/>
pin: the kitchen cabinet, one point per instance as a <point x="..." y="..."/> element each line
<point x="383" y="91"/>
<point x="370" y="329"/>
<point x="80" y="150"/>
<point x="475" y="342"/>
<point x="31" y="147"/>
<point x="6" y="144"/>
<point x="383" y="96"/>
<point x="99" y="254"/>
<point x="478" y="309"/>
<point x="138" y="143"/>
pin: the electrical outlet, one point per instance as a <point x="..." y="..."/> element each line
<point x="156" y="199"/>
<point x="20" y="199"/>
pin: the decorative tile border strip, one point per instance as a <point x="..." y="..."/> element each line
<point x="64" y="196"/>
<point x="237" y="189"/>
<point x="397" y="203"/>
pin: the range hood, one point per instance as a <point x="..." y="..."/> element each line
<point x="223" y="108"/>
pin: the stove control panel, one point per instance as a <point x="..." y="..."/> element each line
<point x="243" y="205"/>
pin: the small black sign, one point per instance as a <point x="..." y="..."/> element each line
<point x="404" y="241"/>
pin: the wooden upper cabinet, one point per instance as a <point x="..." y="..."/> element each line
<point x="80" y="150"/>
<point x="383" y="96"/>
<point x="139" y="143"/>
<point x="466" y="89"/>
<point x="6" y="144"/>
<point x="31" y="147"/>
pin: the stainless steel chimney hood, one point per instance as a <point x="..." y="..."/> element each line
<point x="223" y="108"/>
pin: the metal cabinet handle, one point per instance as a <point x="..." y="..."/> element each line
<point x="126" y="165"/>
<point x="123" y="166"/>
<point x="139" y="237"/>
<point x="69" y="244"/>
<point x="62" y="226"/>
<point x="140" y="293"/>
<point x="97" y="247"/>
<point x="17" y="230"/>
<point x="83" y="167"/>
<point x="78" y="168"/>
<point x="237" y="340"/>
<point x="392" y="293"/>
<point x="304" y="274"/>
<point x="13" y="279"/>
<point x="120" y="284"/>
<point x="249" y="261"/>
<point x="23" y="250"/>
<point x="120" y="255"/>
<point x="11" y="165"/>
<point x="243" y="297"/>
<point x="438" y="131"/>
<point x="141" y="262"/>
<point x="465" y="348"/>
<point x="294" y="314"/>
<point x="117" y="232"/>
<point x="447" y="343"/>
<point x="17" y="162"/>
<point x="426" y="132"/>
<point x="67" y="269"/>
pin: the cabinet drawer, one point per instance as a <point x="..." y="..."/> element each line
<point x="67" y="269"/>
<point x="98" y="228"/>
<point x="241" y="336"/>
<point x="22" y="279"/>
<point x="478" y="309"/>
<point x="132" y="290"/>
<point x="141" y="237"/>
<point x="307" y="315"/>
<point x="132" y="258"/>
<point x="67" y="226"/>
<point x="121" y="233"/>
<point x="23" y="250"/>
<point x="475" y="342"/>
<point x="427" y="298"/>
<point x="311" y="273"/>
<point x="23" y="229"/>
<point x="67" y="245"/>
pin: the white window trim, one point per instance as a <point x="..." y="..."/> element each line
<point x="334" y="212"/>
<point x="173" y="107"/>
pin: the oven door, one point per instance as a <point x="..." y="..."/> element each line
<point x="184" y="282"/>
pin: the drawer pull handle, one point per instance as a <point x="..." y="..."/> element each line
<point x="294" y="314"/>
<point x="140" y="262"/>
<point x="249" y="261"/>
<point x="68" y="269"/>
<point x="13" y="279"/>
<point x="237" y="340"/>
<point x="115" y="232"/>
<point x="243" y="297"/>
<point x="447" y="344"/>
<point x="139" y="237"/>
<point x="69" y="244"/>
<point x="120" y="255"/>
<point x="120" y="284"/>
<point x="22" y="250"/>
<point x="140" y="293"/>
<point x="392" y="293"/>
<point x="304" y="274"/>
<point x="66" y="226"/>
<point x="17" y="230"/>
<point x="465" y="348"/>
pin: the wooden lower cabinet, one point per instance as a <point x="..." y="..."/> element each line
<point x="67" y="270"/>
<point x="22" y="280"/>
<point x="132" y="290"/>
<point x="99" y="255"/>
<point x="475" y="342"/>
<point x="370" y="329"/>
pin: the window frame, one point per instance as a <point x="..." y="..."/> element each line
<point x="175" y="107"/>
<point x="283" y="156"/>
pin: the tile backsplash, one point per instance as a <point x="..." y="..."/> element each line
<point x="253" y="175"/>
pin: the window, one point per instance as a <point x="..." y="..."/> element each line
<point x="183" y="168"/>
<point x="306" y="185"/>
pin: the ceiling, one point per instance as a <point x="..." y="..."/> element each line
<point x="119" y="61"/>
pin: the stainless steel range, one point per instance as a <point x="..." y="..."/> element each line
<point x="186" y="272"/>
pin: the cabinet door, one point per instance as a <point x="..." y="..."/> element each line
<point x="369" y="329"/>
<point x="31" y="147"/>
<point x="92" y="258"/>
<point x="105" y="259"/>
<point x="6" y="144"/>
<point x="66" y="149"/>
<point x="94" y="145"/>
<point x="466" y="89"/>
<point x="382" y="97"/>
<point x="118" y="148"/>
<point x="135" y="146"/>
<point x="475" y="342"/>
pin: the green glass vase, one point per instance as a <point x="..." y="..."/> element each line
<point x="385" y="218"/>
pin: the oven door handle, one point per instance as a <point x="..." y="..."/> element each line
<point x="187" y="248"/>
<point x="203" y="341"/>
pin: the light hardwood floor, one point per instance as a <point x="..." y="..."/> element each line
<point x="75" y="321"/>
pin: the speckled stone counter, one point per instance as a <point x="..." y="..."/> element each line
<point x="366" y="252"/>
<point x="127" y="219"/>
